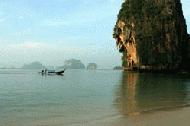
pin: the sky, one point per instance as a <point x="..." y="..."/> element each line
<point x="52" y="31"/>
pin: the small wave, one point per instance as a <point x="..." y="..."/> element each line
<point x="96" y="120"/>
<point x="16" y="73"/>
<point x="11" y="73"/>
<point x="167" y="108"/>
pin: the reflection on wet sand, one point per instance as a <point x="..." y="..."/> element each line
<point x="139" y="93"/>
<point x="126" y="95"/>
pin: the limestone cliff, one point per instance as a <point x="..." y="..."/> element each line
<point x="152" y="34"/>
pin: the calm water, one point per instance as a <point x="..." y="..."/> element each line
<point x="82" y="97"/>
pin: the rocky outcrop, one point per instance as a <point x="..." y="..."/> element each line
<point x="152" y="34"/>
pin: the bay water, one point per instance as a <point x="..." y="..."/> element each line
<point x="87" y="97"/>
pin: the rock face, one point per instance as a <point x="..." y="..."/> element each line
<point x="152" y="34"/>
<point x="188" y="51"/>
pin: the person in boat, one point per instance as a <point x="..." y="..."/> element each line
<point x="42" y="71"/>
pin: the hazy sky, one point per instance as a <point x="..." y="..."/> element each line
<point x="51" y="31"/>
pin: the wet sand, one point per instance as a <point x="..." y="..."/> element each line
<point x="178" y="117"/>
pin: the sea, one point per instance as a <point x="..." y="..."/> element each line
<point x="90" y="97"/>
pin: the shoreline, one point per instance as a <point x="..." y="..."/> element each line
<point x="150" y="69"/>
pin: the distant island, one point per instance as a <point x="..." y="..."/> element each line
<point x="69" y="64"/>
<point x="73" y="64"/>
<point x="92" y="66"/>
<point x="33" y="65"/>
<point x="118" y="68"/>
